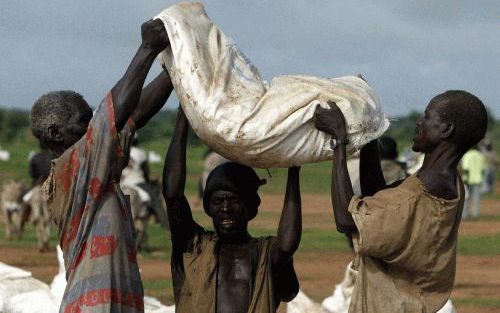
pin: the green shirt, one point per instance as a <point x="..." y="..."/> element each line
<point x="474" y="163"/>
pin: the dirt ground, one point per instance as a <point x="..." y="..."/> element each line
<point x="476" y="276"/>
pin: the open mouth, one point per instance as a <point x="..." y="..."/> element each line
<point x="228" y="221"/>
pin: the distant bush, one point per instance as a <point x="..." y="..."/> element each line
<point x="12" y="124"/>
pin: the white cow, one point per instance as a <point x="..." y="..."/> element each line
<point x="12" y="208"/>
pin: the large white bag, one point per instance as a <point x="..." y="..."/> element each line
<point x="241" y="117"/>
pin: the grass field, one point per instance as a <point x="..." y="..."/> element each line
<point x="323" y="252"/>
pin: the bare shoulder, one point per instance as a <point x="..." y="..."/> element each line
<point x="440" y="185"/>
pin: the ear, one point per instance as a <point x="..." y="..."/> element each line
<point x="447" y="130"/>
<point x="55" y="133"/>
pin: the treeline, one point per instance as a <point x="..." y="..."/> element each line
<point x="15" y="123"/>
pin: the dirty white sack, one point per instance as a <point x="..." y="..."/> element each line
<point x="246" y="120"/>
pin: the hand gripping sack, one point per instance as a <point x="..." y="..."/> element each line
<point x="246" y="120"/>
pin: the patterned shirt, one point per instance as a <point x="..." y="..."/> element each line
<point x="95" y="226"/>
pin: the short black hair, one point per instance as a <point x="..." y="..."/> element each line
<point x="54" y="108"/>
<point x="467" y="113"/>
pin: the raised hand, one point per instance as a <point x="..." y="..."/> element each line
<point x="154" y="35"/>
<point x="330" y="121"/>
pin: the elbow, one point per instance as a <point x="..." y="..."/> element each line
<point x="288" y="248"/>
<point x="168" y="189"/>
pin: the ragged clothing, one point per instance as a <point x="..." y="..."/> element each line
<point x="194" y="274"/>
<point x="405" y="249"/>
<point x="95" y="226"/>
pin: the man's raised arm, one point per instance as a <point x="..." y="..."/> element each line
<point x="127" y="91"/>
<point x="181" y="221"/>
<point x="288" y="238"/>
<point x="371" y="177"/>
<point x="332" y="121"/>
<point x="153" y="97"/>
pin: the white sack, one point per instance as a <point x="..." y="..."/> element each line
<point x="14" y="281"/>
<point x="241" y="117"/>
<point x="36" y="301"/>
<point x="303" y="304"/>
<point x="152" y="305"/>
<point x="340" y="300"/>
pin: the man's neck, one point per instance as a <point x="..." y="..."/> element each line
<point x="443" y="159"/>
<point x="439" y="171"/>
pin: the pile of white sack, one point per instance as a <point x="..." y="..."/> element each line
<point x="247" y="120"/>
<point x="340" y="300"/>
<point x="22" y="293"/>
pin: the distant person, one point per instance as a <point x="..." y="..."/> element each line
<point x="473" y="167"/>
<point x="95" y="227"/>
<point x="39" y="166"/>
<point x="405" y="234"/>
<point x="228" y="271"/>
<point x="491" y="165"/>
<point x="392" y="169"/>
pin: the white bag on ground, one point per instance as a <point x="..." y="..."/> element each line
<point x="241" y="117"/>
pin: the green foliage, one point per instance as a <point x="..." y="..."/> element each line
<point x="11" y="123"/>
<point x="402" y="128"/>
<point x="161" y="126"/>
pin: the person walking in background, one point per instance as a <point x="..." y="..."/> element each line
<point x="491" y="165"/>
<point x="473" y="169"/>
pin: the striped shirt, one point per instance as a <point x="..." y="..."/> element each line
<point x="95" y="226"/>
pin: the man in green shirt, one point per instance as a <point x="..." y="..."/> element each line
<point x="473" y="167"/>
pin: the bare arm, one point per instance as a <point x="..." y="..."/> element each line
<point x="370" y="172"/>
<point x="153" y="97"/>
<point x="181" y="221"/>
<point x="332" y="122"/>
<point x="288" y="239"/>
<point x="127" y="91"/>
<point x="290" y="226"/>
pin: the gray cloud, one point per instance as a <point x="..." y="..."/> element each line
<point x="408" y="51"/>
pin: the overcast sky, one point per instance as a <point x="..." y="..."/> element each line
<point x="407" y="50"/>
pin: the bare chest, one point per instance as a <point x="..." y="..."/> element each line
<point x="233" y="279"/>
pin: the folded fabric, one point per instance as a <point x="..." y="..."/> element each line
<point x="246" y="120"/>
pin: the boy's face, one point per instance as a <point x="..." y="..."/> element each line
<point x="428" y="130"/>
<point x="229" y="213"/>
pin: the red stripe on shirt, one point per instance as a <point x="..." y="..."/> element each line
<point x="104" y="296"/>
<point x="111" y="114"/>
<point x="103" y="245"/>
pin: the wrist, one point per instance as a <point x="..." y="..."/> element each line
<point x="336" y="143"/>
<point x="150" y="49"/>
